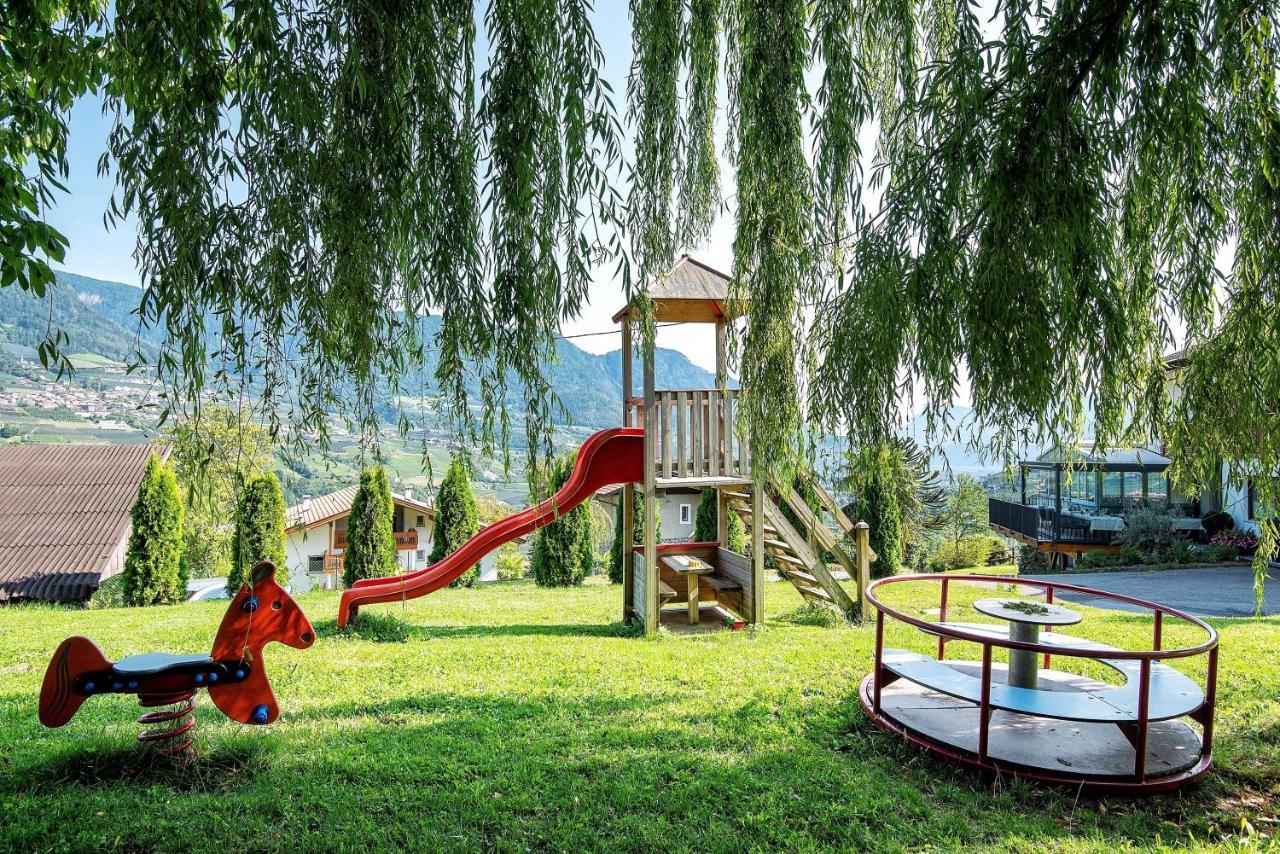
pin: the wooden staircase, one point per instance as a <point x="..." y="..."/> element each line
<point x="796" y="553"/>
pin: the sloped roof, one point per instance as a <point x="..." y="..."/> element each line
<point x="336" y="504"/>
<point x="64" y="510"/>
<point x="691" y="290"/>
<point x="1089" y="455"/>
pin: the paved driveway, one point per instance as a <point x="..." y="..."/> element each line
<point x="1215" y="592"/>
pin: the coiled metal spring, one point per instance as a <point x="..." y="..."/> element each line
<point x="169" y="728"/>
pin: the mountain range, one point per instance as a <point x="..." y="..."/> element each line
<point x="99" y="317"/>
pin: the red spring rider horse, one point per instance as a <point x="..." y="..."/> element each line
<point x="233" y="672"/>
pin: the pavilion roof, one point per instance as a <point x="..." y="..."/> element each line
<point x="690" y="292"/>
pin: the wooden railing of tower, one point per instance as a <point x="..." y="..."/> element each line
<point x="696" y="435"/>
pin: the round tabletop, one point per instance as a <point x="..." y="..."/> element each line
<point x="1027" y="611"/>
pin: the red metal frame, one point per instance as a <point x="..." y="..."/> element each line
<point x="871" y="689"/>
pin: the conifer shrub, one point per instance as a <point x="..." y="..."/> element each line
<point x="259" y="531"/>
<point x="562" y="551"/>
<point x="456" y="519"/>
<point x="371" y="542"/>
<point x="153" y="556"/>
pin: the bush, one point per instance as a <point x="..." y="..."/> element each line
<point x="1216" y="522"/>
<point x="969" y="552"/>
<point x="1218" y="553"/>
<point x="371" y="542"/>
<point x="456" y="520"/>
<point x="259" y="533"/>
<point x="1180" y="551"/>
<point x="1031" y="560"/>
<point x="1103" y="560"/>
<point x="562" y="551"/>
<point x="1242" y="541"/>
<point x="510" y="564"/>
<point x="206" y="547"/>
<point x="152" y="563"/>
<point x="1148" y="530"/>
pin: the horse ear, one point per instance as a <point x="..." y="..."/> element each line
<point x="262" y="570"/>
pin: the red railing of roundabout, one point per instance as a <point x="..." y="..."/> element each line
<point x="1209" y="647"/>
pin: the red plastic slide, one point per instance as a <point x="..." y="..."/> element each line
<point x="610" y="456"/>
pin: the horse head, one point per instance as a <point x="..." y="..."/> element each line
<point x="261" y="612"/>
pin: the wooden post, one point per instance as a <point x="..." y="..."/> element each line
<point x="721" y="372"/>
<point x="651" y="602"/>
<point x="862" y="542"/>
<point x="757" y="550"/>
<point x="722" y="519"/>
<point x="628" y="489"/>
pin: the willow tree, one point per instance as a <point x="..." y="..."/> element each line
<point x="1049" y="188"/>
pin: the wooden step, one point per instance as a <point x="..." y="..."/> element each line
<point x="793" y="574"/>
<point x="777" y="544"/>
<point x="734" y="495"/>
<point x="789" y="558"/>
<point x="813" y="592"/>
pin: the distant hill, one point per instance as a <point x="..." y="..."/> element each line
<point x="98" y="317"/>
<point x="94" y="315"/>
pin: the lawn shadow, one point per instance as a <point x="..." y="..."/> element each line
<point x="487" y="707"/>
<point x="387" y="628"/>
<point x="212" y="768"/>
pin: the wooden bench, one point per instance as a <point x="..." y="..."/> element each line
<point x="1172" y="694"/>
<point x="666" y="592"/>
<point x="722" y="583"/>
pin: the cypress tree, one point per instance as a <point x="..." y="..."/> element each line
<point x="153" y="556"/>
<point x="637" y="532"/>
<point x="371" y="543"/>
<point x="259" y="533"/>
<point x="562" y="552"/>
<point x="706" y="527"/>
<point x="878" y="505"/>
<point x="456" y="520"/>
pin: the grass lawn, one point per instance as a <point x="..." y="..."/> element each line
<point x="516" y="718"/>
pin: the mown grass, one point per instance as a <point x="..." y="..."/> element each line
<point x="514" y="718"/>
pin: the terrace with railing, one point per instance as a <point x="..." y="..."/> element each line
<point x="1072" y="503"/>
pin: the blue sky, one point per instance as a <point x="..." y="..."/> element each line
<point x="106" y="253"/>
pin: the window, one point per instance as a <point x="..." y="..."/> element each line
<point x="1157" y="488"/>
<point x="315" y="565"/>
<point x="421" y="522"/>
<point x="1252" y="500"/>
<point x="1112" y="488"/>
<point x="421" y="554"/>
<point x="686" y="514"/>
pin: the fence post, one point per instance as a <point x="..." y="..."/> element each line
<point x="862" y="562"/>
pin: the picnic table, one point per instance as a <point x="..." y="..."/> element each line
<point x="692" y="569"/>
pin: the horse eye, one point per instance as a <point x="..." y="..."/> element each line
<point x="277" y="605"/>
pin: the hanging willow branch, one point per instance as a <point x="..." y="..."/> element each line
<point x="700" y="176"/>
<point x="773" y="252"/>
<point x="320" y="173"/>
<point x="1045" y="207"/>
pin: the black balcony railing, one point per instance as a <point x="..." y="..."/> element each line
<point x="1045" y="524"/>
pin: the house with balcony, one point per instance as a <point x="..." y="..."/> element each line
<point x="1067" y="503"/>
<point x="316" y="536"/>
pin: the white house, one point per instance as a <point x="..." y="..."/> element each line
<point x="316" y="535"/>
<point x="677" y="510"/>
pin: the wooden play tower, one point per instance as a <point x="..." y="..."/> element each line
<point x="691" y="441"/>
